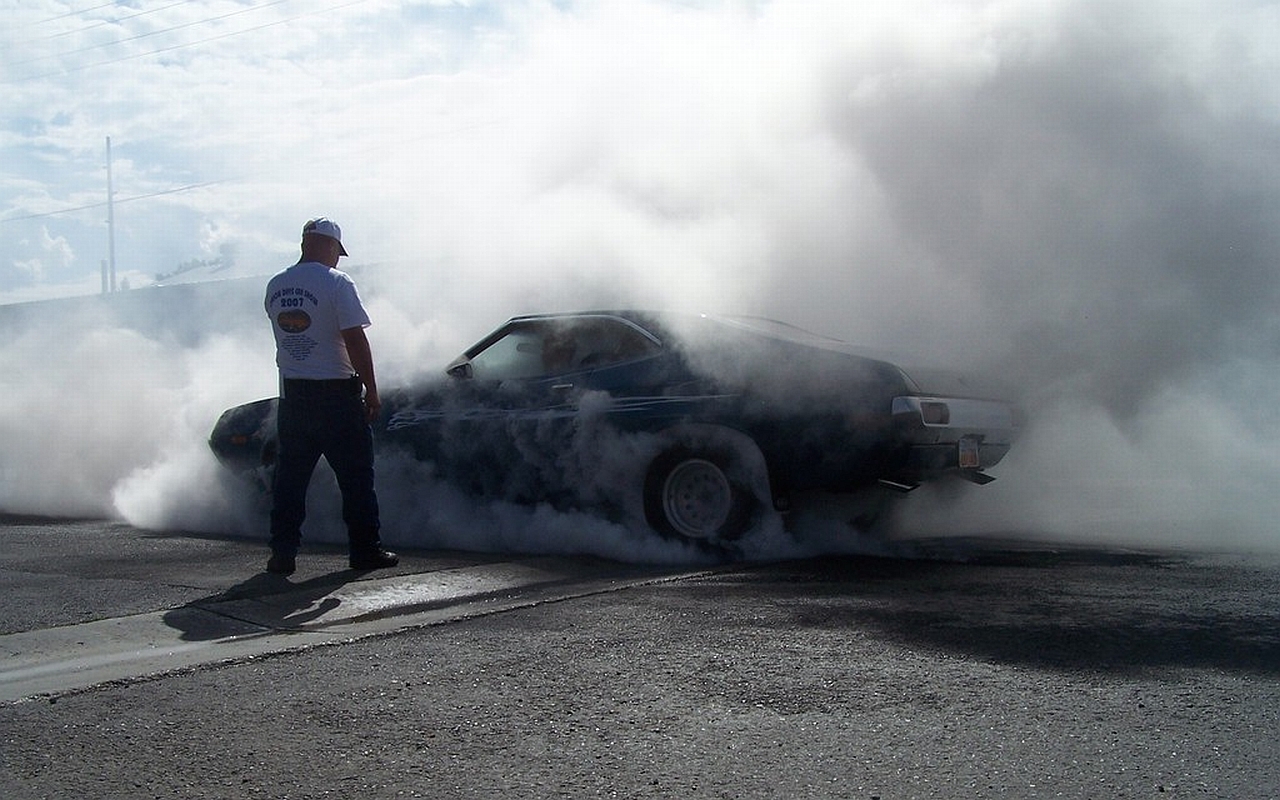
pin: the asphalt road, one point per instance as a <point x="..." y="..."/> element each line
<point x="975" y="668"/>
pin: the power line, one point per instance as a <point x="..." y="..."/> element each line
<point x="104" y="203"/>
<point x="134" y="56"/>
<point x="117" y="20"/>
<point x="63" y="16"/>
<point x="148" y="34"/>
<point x="382" y="146"/>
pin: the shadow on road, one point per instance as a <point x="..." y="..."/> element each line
<point x="270" y="603"/>
<point x="1072" y="611"/>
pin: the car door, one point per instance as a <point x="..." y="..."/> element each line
<point x="511" y="407"/>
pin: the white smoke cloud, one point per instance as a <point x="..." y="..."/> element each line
<point x="1080" y="197"/>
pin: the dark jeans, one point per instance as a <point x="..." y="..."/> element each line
<point x="323" y="418"/>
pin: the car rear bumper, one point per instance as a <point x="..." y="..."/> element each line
<point x="950" y="433"/>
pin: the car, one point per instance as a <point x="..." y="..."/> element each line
<point x="692" y="426"/>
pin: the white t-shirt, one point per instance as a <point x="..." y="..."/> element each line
<point x="310" y="305"/>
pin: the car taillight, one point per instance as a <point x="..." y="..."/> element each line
<point x="935" y="413"/>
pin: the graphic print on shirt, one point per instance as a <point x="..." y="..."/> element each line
<point x="293" y="321"/>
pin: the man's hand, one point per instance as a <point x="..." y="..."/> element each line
<point x="372" y="406"/>
<point x="362" y="361"/>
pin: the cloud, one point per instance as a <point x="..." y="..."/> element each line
<point x="32" y="269"/>
<point x="45" y="255"/>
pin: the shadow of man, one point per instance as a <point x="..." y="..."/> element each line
<point x="261" y="605"/>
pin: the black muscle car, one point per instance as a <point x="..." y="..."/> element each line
<point x="694" y="424"/>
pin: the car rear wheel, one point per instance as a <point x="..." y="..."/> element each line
<point x="694" y="495"/>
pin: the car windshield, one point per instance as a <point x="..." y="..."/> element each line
<point x="543" y="347"/>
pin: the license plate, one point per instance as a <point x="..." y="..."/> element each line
<point x="969" y="453"/>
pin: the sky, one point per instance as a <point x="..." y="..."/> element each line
<point x="1081" y="197"/>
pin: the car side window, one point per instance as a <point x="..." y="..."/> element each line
<point x="601" y="342"/>
<point x="535" y="349"/>
<point x="518" y="354"/>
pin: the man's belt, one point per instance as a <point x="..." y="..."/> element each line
<point x="295" y="388"/>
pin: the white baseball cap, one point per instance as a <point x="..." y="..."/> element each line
<point x="325" y="227"/>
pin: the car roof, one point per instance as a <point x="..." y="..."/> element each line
<point x="667" y="321"/>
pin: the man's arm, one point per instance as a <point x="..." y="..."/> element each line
<point x="362" y="361"/>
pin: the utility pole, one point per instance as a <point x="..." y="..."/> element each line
<point x="111" y="220"/>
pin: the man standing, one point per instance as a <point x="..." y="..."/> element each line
<point x="328" y="398"/>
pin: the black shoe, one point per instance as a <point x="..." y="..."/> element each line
<point x="374" y="559"/>
<point x="281" y="565"/>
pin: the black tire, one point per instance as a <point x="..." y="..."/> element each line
<point x="695" y="495"/>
